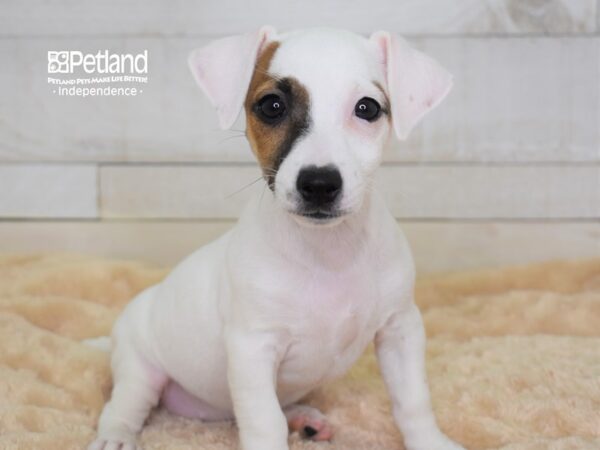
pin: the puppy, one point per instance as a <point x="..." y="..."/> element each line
<point x="288" y="299"/>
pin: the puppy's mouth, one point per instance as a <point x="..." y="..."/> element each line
<point x="319" y="216"/>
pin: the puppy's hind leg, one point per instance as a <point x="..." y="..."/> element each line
<point x="137" y="388"/>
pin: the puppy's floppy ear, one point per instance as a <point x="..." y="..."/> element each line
<point x="416" y="82"/>
<point x="223" y="70"/>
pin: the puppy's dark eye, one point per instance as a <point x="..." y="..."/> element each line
<point x="367" y="109"/>
<point x="270" y="108"/>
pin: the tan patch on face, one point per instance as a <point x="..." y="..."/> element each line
<point x="263" y="139"/>
<point x="272" y="142"/>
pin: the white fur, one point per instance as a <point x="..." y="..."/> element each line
<point x="223" y="70"/>
<point x="416" y="82"/>
<point x="343" y="68"/>
<point x="254" y="321"/>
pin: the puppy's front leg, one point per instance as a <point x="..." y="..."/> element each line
<point x="253" y="360"/>
<point x="400" y="347"/>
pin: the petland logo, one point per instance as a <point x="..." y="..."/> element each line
<point x="105" y="67"/>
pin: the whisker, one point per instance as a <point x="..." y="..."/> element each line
<point x="244" y="187"/>
<point x="225" y="139"/>
<point x="262" y="195"/>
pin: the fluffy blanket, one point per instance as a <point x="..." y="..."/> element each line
<point x="513" y="360"/>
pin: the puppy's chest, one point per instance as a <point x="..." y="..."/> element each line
<point x="333" y="319"/>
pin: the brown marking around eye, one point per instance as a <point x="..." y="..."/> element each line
<point x="271" y="143"/>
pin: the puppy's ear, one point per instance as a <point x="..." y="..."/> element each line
<point x="223" y="70"/>
<point x="416" y="82"/>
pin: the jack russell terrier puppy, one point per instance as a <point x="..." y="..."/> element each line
<point x="289" y="298"/>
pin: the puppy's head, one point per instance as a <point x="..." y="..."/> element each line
<point x="319" y="106"/>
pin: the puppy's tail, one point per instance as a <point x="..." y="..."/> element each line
<point x="101" y="343"/>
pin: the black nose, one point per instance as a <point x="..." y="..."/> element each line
<point x="319" y="186"/>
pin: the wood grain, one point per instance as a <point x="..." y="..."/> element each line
<point x="186" y="17"/>
<point x="474" y="192"/>
<point x="514" y="100"/>
<point x="57" y="191"/>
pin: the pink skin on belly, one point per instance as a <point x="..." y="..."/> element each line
<point x="178" y="401"/>
<point x="308" y="421"/>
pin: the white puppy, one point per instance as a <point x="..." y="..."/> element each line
<point x="291" y="296"/>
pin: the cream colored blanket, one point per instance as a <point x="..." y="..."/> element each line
<point x="513" y="360"/>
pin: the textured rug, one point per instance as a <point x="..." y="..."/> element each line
<point x="513" y="360"/>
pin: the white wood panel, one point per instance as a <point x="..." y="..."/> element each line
<point x="162" y="17"/>
<point x="411" y="191"/>
<point x="492" y="191"/>
<point x="437" y="246"/>
<point x="177" y="191"/>
<point x="518" y="99"/>
<point x="48" y="191"/>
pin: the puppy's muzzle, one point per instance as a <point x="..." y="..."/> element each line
<point x="319" y="189"/>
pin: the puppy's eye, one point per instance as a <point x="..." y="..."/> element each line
<point x="270" y="108"/>
<point x="367" y="109"/>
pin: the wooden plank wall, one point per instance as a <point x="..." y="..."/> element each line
<point x="507" y="170"/>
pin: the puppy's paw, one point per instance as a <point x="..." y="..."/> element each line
<point x="109" y="444"/>
<point x="309" y="422"/>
